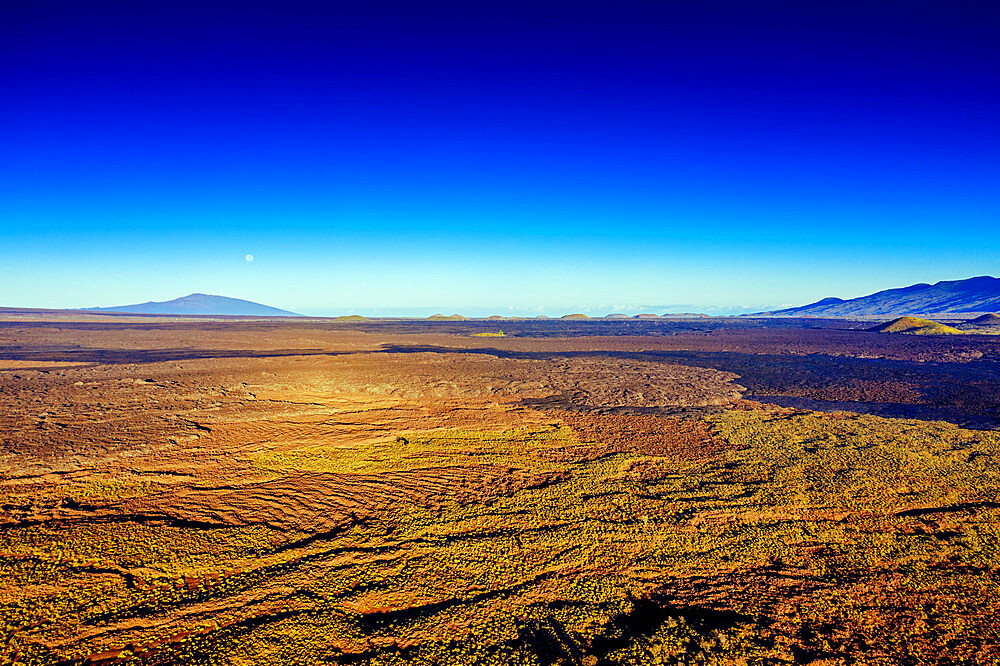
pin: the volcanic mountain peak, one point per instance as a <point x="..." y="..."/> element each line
<point x="201" y="304"/>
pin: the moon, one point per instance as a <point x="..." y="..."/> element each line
<point x="249" y="257"/>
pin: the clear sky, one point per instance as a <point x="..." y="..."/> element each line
<point x="545" y="156"/>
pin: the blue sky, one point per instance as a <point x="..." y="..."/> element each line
<point x="489" y="156"/>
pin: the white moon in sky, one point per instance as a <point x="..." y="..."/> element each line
<point x="249" y="257"/>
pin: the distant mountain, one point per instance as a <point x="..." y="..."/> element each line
<point x="978" y="294"/>
<point x="201" y="304"/>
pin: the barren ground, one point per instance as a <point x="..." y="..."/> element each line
<point x="236" y="492"/>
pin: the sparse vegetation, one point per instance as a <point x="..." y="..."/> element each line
<point x="320" y="515"/>
<point x="557" y="569"/>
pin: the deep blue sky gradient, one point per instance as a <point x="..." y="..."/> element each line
<point x="457" y="154"/>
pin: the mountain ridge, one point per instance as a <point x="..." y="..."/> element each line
<point x="975" y="294"/>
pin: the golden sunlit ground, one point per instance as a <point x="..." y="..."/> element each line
<point x="227" y="493"/>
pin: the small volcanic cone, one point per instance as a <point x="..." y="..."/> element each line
<point x="915" y="326"/>
<point x="441" y="317"/>
<point x="991" y="319"/>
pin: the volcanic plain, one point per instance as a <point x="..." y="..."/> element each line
<point x="712" y="491"/>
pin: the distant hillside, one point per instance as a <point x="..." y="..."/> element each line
<point x="441" y="317"/>
<point x="201" y="304"/>
<point x="915" y="326"/>
<point x="988" y="323"/>
<point x="988" y="319"/>
<point x="978" y="294"/>
<point x="687" y="315"/>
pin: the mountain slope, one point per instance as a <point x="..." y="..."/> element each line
<point x="201" y="304"/>
<point x="978" y="294"/>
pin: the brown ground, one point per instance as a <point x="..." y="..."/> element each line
<point x="313" y="433"/>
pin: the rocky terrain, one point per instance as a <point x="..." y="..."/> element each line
<point x="613" y="492"/>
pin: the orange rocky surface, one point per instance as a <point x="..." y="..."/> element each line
<point x="255" y="492"/>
